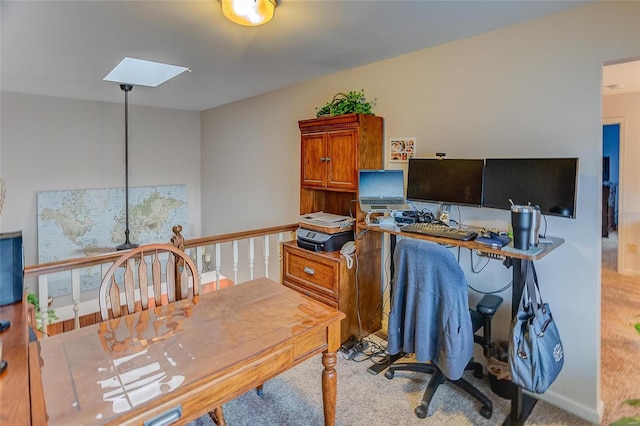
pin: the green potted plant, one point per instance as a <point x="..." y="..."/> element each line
<point x="51" y="314"/>
<point x="352" y="102"/>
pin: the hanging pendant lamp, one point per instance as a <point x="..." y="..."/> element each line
<point x="249" y="13"/>
<point x="127" y="244"/>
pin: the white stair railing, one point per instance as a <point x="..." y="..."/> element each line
<point x="78" y="303"/>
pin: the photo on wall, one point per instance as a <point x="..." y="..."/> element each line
<point x="401" y="149"/>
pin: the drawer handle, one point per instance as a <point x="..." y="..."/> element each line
<point x="309" y="271"/>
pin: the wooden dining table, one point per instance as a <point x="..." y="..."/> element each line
<point x="179" y="361"/>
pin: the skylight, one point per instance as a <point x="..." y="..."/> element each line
<point x="139" y="72"/>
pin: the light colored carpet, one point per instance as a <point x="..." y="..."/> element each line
<point x="620" y="376"/>
<point x="295" y="397"/>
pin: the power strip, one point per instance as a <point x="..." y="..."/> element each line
<point x="491" y="255"/>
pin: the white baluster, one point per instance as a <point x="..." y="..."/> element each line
<point x="235" y="262"/>
<point x="251" y="256"/>
<point x="218" y="263"/>
<point x="43" y="298"/>
<point x="194" y="254"/>
<point x="75" y="294"/>
<point x="280" y="240"/>
<point x="265" y="242"/>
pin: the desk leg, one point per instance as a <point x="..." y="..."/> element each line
<point x="521" y="404"/>
<point x="389" y="359"/>
<point x="329" y="374"/>
<point x="521" y="407"/>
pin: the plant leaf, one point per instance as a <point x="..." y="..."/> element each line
<point x="633" y="402"/>
<point x="637" y="326"/>
<point x="626" y="421"/>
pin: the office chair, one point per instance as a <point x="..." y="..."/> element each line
<point x="430" y="317"/>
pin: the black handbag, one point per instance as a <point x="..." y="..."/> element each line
<point x="536" y="355"/>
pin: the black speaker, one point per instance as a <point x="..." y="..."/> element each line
<point x="11" y="268"/>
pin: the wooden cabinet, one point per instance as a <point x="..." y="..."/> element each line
<point x="328" y="160"/>
<point x="324" y="276"/>
<point x="333" y="149"/>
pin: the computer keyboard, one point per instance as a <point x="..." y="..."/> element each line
<point x="435" y="230"/>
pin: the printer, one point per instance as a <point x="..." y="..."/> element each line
<point x="320" y="241"/>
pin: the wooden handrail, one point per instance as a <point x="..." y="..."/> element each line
<point x="224" y="238"/>
<point x="32" y="271"/>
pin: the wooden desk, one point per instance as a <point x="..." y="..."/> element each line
<point x="196" y="353"/>
<point x="521" y="404"/>
<point x="14" y="381"/>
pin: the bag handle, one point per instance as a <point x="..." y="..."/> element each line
<point x="530" y="295"/>
<point x="531" y="291"/>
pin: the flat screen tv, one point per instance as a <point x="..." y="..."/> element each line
<point x="550" y="183"/>
<point x="445" y="181"/>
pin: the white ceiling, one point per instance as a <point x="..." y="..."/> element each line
<point x="65" y="48"/>
<point x="625" y="77"/>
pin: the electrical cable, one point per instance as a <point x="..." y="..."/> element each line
<point x="350" y="212"/>
<point x="509" y="284"/>
<point x="471" y="261"/>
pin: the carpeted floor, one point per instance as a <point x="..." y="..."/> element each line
<point x="294" y="398"/>
<point x="620" y="374"/>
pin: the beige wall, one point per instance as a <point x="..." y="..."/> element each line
<point x="625" y="109"/>
<point x="60" y="144"/>
<point x="528" y="90"/>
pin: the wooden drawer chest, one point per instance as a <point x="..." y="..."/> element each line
<point x="324" y="276"/>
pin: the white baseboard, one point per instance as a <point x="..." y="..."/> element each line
<point x="587" y="413"/>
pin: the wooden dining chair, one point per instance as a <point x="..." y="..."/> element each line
<point x="177" y="280"/>
<point x="179" y="272"/>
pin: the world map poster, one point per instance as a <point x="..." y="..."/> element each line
<point x="85" y="222"/>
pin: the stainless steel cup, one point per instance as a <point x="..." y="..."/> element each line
<point x="534" y="238"/>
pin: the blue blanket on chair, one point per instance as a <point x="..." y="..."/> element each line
<point x="430" y="309"/>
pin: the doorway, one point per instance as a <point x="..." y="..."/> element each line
<point x="610" y="194"/>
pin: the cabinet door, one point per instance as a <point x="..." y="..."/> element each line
<point x="314" y="161"/>
<point x="341" y="151"/>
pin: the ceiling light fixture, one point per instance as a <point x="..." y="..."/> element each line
<point x="249" y="13"/>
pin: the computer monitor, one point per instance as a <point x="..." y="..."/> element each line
<point x="550" y="183"/>
<point x="445" y="181"/>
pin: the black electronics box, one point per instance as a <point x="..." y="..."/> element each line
<point x="319" y="241"/>
<point x="11" y="268"/>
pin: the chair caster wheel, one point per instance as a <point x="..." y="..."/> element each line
<point x="389" y="374"/>
<point x="486" y="412"/>
<point x="420" y="412"/>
